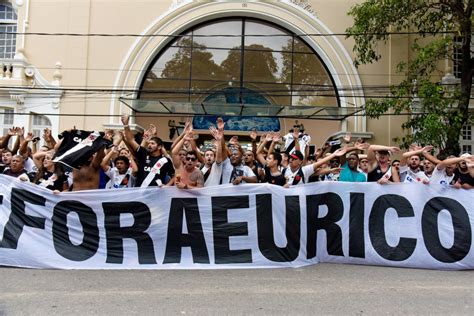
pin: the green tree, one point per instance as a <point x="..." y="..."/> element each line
<point x="441" y="110"/>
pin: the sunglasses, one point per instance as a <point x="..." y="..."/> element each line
<point x="190" y="159"/>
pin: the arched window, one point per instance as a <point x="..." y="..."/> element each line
<point x="8" y="27"/>
<point x="238" y="66"/>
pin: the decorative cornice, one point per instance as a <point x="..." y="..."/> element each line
<point x="301" y="3"/>
<point x="305" y="5"/>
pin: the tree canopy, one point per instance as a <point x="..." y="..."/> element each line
<point x="439" y="27"/>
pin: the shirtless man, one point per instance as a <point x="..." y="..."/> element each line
<point x="87" y="176"/>
<point x="188" y="175"/>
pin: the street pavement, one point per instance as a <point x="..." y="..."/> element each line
<point x="318" y="289"/>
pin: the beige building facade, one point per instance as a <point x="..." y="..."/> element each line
<point x="162" y="61"/>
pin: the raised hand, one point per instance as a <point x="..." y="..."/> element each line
<point x="20" y="131"/>
<point x="428" y="148"/>
<point x="347" y="138"/>
<point x="234" y="140"/>
<point x="394" y="149"/>
<point x="152" y="129"/>
<point x="220" y="124"/>
<point x="269" y="137"/>
<point x="361" y="146"/>
<point x="340" y="152"/>
<point x="29" y="137"/>
<point x="125" y="119"/>
<point x="276" y="137"/>
<point x="253" y="135"/>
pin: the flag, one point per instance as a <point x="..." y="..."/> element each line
<point x="78" y="146"/>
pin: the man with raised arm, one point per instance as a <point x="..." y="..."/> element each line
<point x="87" y="175"/>
<point x="380" y="170"/>
<point x="215" y="172"/>
<point x="410" y="163"/>
<point x="233" y="170"/>
<point x="154" y="169"/>
<point x="120" y="175"/>
<point x="188" y="176"/>
<point x="443" y="173"/>
<point x="297" y="174"/>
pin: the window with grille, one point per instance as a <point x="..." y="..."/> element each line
<point x="466" y="132"/>
<point x="457" y="55"/>
<point x="8" y="28"/>
<point x="467" y="149"/>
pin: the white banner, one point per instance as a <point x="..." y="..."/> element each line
<point x="244" y="226"/>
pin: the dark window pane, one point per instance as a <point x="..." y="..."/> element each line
<point x="174" y="63"/>
<point x="215" y="64"/>
<point x="260" y="66"/>
<point x="270" y="37"/>
<point x="223" y="34"/>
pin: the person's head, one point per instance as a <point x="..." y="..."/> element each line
<point x="463" y="164"/>
<point x="248" y="157"/>
<point x="122" y="164"/>
<point x="396" y="163"/>
<point x="450" y="168"/>
<point x="44" y="148"/>
<point x="18" y="163"/>
<point x="428" y="166"/>
<point x="48" y="161"/>
<point x="182" y="155"/>
<point x="209" y="157"/>
<point x="273" y="159"/>
<point x="191" y="160"/>
<point x="124" y="152"/>
<point x="363" y="163"/>
<point x="236" y="156"/>
<point x="6" y="156"/>
<point x="383" y="156"/>
<point x="352" y="161"/>
<point x="154" y="145"/>
<point x="334" y="163"/>
<point x="414" y="162"/>
<point x="296" y="159"/>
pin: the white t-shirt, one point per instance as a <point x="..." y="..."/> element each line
<point x="215" y="175"/>
<point x="290" y="175"/>
<point x="409" y="176"/>
<point x="227" y="171"/>
<point x="440" y="177"/>
<point x="29" y="165"/>
<point x="118" y="180"/>
<point x="303" y="140"/>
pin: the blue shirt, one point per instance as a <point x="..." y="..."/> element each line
<point x="348" y="175"/>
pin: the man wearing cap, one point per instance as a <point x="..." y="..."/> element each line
<point x="379" y="164"/>
<point x="363" y="164"/>
<point x="296" y="174"/>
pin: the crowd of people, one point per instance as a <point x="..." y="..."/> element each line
<point x="122" y="162"/>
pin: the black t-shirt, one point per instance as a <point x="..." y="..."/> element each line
<point x="463" y="178"/>
<point x="10" y="173"/>
<point x="52" y="181"/>
<point x="269" y="178"/>
<point x="145" y="162"/>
